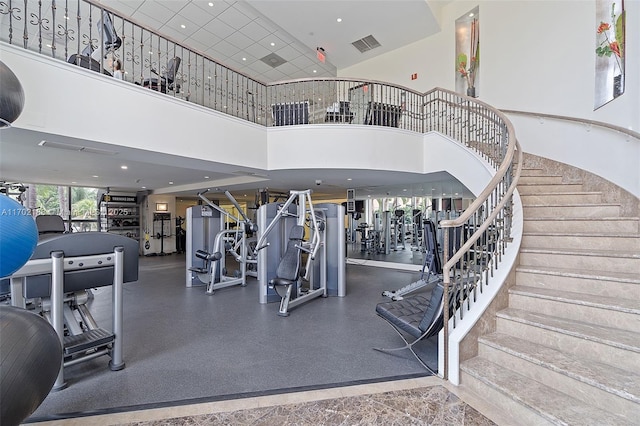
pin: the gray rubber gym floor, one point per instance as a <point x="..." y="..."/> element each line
<point x="183" y="346"/>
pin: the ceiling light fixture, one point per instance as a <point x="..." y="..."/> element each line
<point x="273" y="44"/>
<point x="211" y="4"/>
<point x="339" y="20"/>
<point x="244" y="59"/>
<point x="95" y="176"/>
<point x="171" y="183"/>
<point x="124" y="167"/>
<point x="315" y="71"/>
<point x="183" y="26"/>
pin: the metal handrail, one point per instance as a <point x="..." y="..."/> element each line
<point x="602" y="124"/>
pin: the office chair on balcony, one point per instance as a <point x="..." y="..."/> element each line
<point x="166" y="81"/>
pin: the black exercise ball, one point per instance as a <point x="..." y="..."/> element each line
<point x="30" y="358"/>
<point x="11" y="96"/>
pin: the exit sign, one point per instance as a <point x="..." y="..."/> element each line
<point x="321" y="56"/>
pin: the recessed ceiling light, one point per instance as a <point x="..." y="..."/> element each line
<point x="183" y="26"/>
<point x="171" y="183"/>
<point x="273" y="44"/>
<point x="95" y="176"/>
<point x="144" y="187"/>
<point x="244" y="59"/>
<point x="74" y="182"/>
<point x="211" y="3"/>
<point x="339" y="20"/>
<point x="206" y="177"/>
<point x="349" y="179"/>
<point x="124" y="167"/>
<point x="471" y="15"/>
<point x="315" y="71"/>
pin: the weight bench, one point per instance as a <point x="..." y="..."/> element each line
<point x="419" y="317"/>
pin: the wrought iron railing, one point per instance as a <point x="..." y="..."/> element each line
<point x="473" y="243"/>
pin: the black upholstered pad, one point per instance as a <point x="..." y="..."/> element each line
<point x="405" y="314"/>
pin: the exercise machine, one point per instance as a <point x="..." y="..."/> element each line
<point x="210" y="237"/>
<point x="281" y="236"/>
<point x="431" y="265"/>
<point x="55" y="283"/>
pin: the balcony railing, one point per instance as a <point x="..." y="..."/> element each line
<point x="92" y="36"/>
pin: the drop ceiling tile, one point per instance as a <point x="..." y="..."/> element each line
<point x="234" y="18"/>
<point x="259" y="67"/>
<point x="196" y="14"/>
<point x="288" y="52"/>
<point x="147" y="20"/>
<point x="126" y="7"/>
<point x="226" y="48"/>
<point x="257" y="50"/>
<point x="303" y="62"/>
<point x="239" y="40"/>
<point x="196" y="44"/>
<point x="275" y="75"/>
<point x="174" y="35"/>
<point x="255" y="31"/>
<point x="288" y="68"/>
<point x="219" y="28"/>
<point x="204" y="37"/>
<point x="218" y="7"/>
<point x="272" y="38"/>
<point x="173" y="5"/>
<point x="156" y="11"/>
<point x="176" y="23"/>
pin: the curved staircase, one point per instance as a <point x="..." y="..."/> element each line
<point x="566" y="350"/>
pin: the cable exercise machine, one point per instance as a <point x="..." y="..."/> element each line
<point x="210" y="237"/>
<point x="282" y="251"/>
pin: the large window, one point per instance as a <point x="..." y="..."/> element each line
<point x="76" y="205"/>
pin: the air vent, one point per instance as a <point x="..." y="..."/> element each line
<point x="273" y="60"/>
<point x="365" y="44"/>
<point x="69" y="147"/>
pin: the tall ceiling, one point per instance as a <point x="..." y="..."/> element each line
<point x="229" y="31"/>
<point x="240" y="33"/>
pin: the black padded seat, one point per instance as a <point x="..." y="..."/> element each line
<point x="414" y="314"/>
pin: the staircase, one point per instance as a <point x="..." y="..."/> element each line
<point x="566" y="350"/>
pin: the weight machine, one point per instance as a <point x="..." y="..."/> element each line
<point x="284" y="228"/>
<point x="57" y="278"/>
<point x="209" y="241"/>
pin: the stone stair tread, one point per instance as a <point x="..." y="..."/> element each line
<point x="581" y="234"/>
<point x="562" y="193"/>
<point x="593" y="219"/>
<point x="571" y="205"/>
<point x="609" y="378"/>
<point x="623" y="339"/>
<point x="626" y="277"/>
<point x="582" y="252"/>
<point x="611" y="303"/>
<point x="551" y="404"/>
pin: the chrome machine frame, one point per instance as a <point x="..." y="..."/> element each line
<point x="315" y="248"/>
<point x="214" y="262"/>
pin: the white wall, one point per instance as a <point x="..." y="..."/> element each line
<point x="535" y="56"/>
<point x="81" y="104"/>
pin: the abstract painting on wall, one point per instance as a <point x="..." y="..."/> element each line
<point x="468" y="52"/>
<point x="609" y="51"/>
